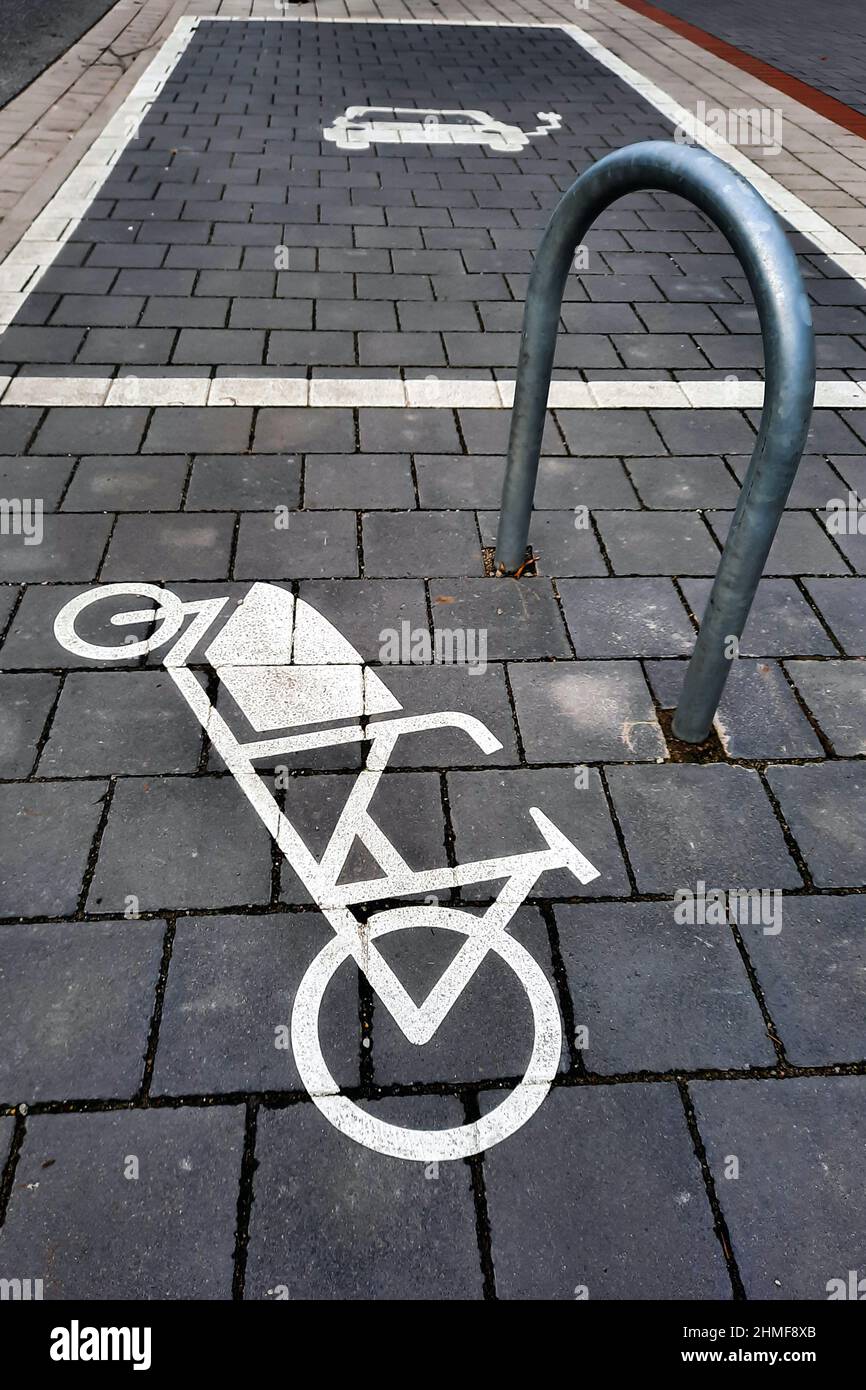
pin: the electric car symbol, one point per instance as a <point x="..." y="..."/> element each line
<point x="363" y="126"/>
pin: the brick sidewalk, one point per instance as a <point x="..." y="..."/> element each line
<point x="232" y="241"/>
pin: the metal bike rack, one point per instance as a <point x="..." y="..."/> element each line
<point x="759" y="241"/>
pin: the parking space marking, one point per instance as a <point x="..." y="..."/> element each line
<point x="25" y="265"/>
<point x="442" y="393"/>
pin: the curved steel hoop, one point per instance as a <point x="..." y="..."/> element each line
<point x="757" y="237"/>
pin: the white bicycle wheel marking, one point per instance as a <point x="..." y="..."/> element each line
<point x="285" y="666"/>
<point x="427" y="1145"/>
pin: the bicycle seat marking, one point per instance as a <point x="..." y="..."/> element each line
<point x="286" y="667"/>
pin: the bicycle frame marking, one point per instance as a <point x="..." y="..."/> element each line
<point x="270" y="620"/>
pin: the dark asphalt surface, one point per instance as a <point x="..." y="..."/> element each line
<point x="34" y="33"/>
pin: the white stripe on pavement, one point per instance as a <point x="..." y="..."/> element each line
<point x="389" y="393"/>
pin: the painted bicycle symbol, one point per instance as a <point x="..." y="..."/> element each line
<point x="287" y="667"/>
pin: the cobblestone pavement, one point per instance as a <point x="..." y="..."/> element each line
<point x="704" y="1133"/>
<point x="794" y="37"/>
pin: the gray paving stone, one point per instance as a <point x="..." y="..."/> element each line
<point x="358" y="480"/>
<point x="35" y="477"/>
<point x="31" y="345"/>
<point x="600" y="433"/>
<point x="588" y="482"/>
<point x="333" y="1220"/>
<point x="814" y="482"/>
<point x="486" y="432"/>
<point x="195" y="430"/>
<point x="181" y="842"/>
<point x="407" y="431"/>
<point x="835" y="692"/>
<point x="71" y="548"/>
<point x="673" y="483"/>
<point x="129" y="483"/>
<point x="489" y="1031"/>
<point x="162" y="312"/>
<point x="369" y="611"/>
<point x="703" y="431"/>
<point x="75" y="1017"/>
<point x="242" y="482"/>
<point x="47" y="830"/>
<point x="7" y="1127"/>
<point x="758" y="715"/>
<point x="585" y="711"/>
<point x="25" y="703"/>
<point x="314" y="545"/>
<point x="8" y="599"/>
<point x="275" y="313"/>
<point x="107" y="311"/>
<point x="655" y="995"/>
<point x="801" y="546"/>
<point x="285" y="429"/>
<point x="852" y="544"/>
<point x="231" y="986"/>
<point x="624" y="617"/>
<point x="601" y="1191"/>
<point x="92" y="430"/>
<point x="398" y="544"/>
<point x="789" y="1241"/>
<point x="781" y="622"/>
<point x="17" y="427"/>
<point x="470" y="480"/>
<point x="305" y="348"/>
<point x="237" y="346"/>
<point x="853" y="470"/>
<point x="825" y="806"/>
<point x="131" y="346"/>
<point x="657" y="543"/>
<point x="92" y="1232"/>
<point x="685" y="822"/>
<point x="821" y="945"/>
<point x="120" y="722"/>
<point x="490" y="814"/>
<point x="561" y="545"/>
<point x="830" y="432"/>
<point x="520" y="617"/>
<point x="169" y="546"/>
<point x="842" y="603"/>
<point x="407" y="806"/>
<point x="471" y="690"/>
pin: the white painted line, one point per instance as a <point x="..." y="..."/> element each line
<point x="229" y="390"/>
<point x="46" y="391"/>
<point x="363" y="393"/>
<point x="28" y="261"/>
<point x="615" y="395"/>
<point x="333" y="392"/>
<point x="167" y="390"/>
<point x="440" y="395"/>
